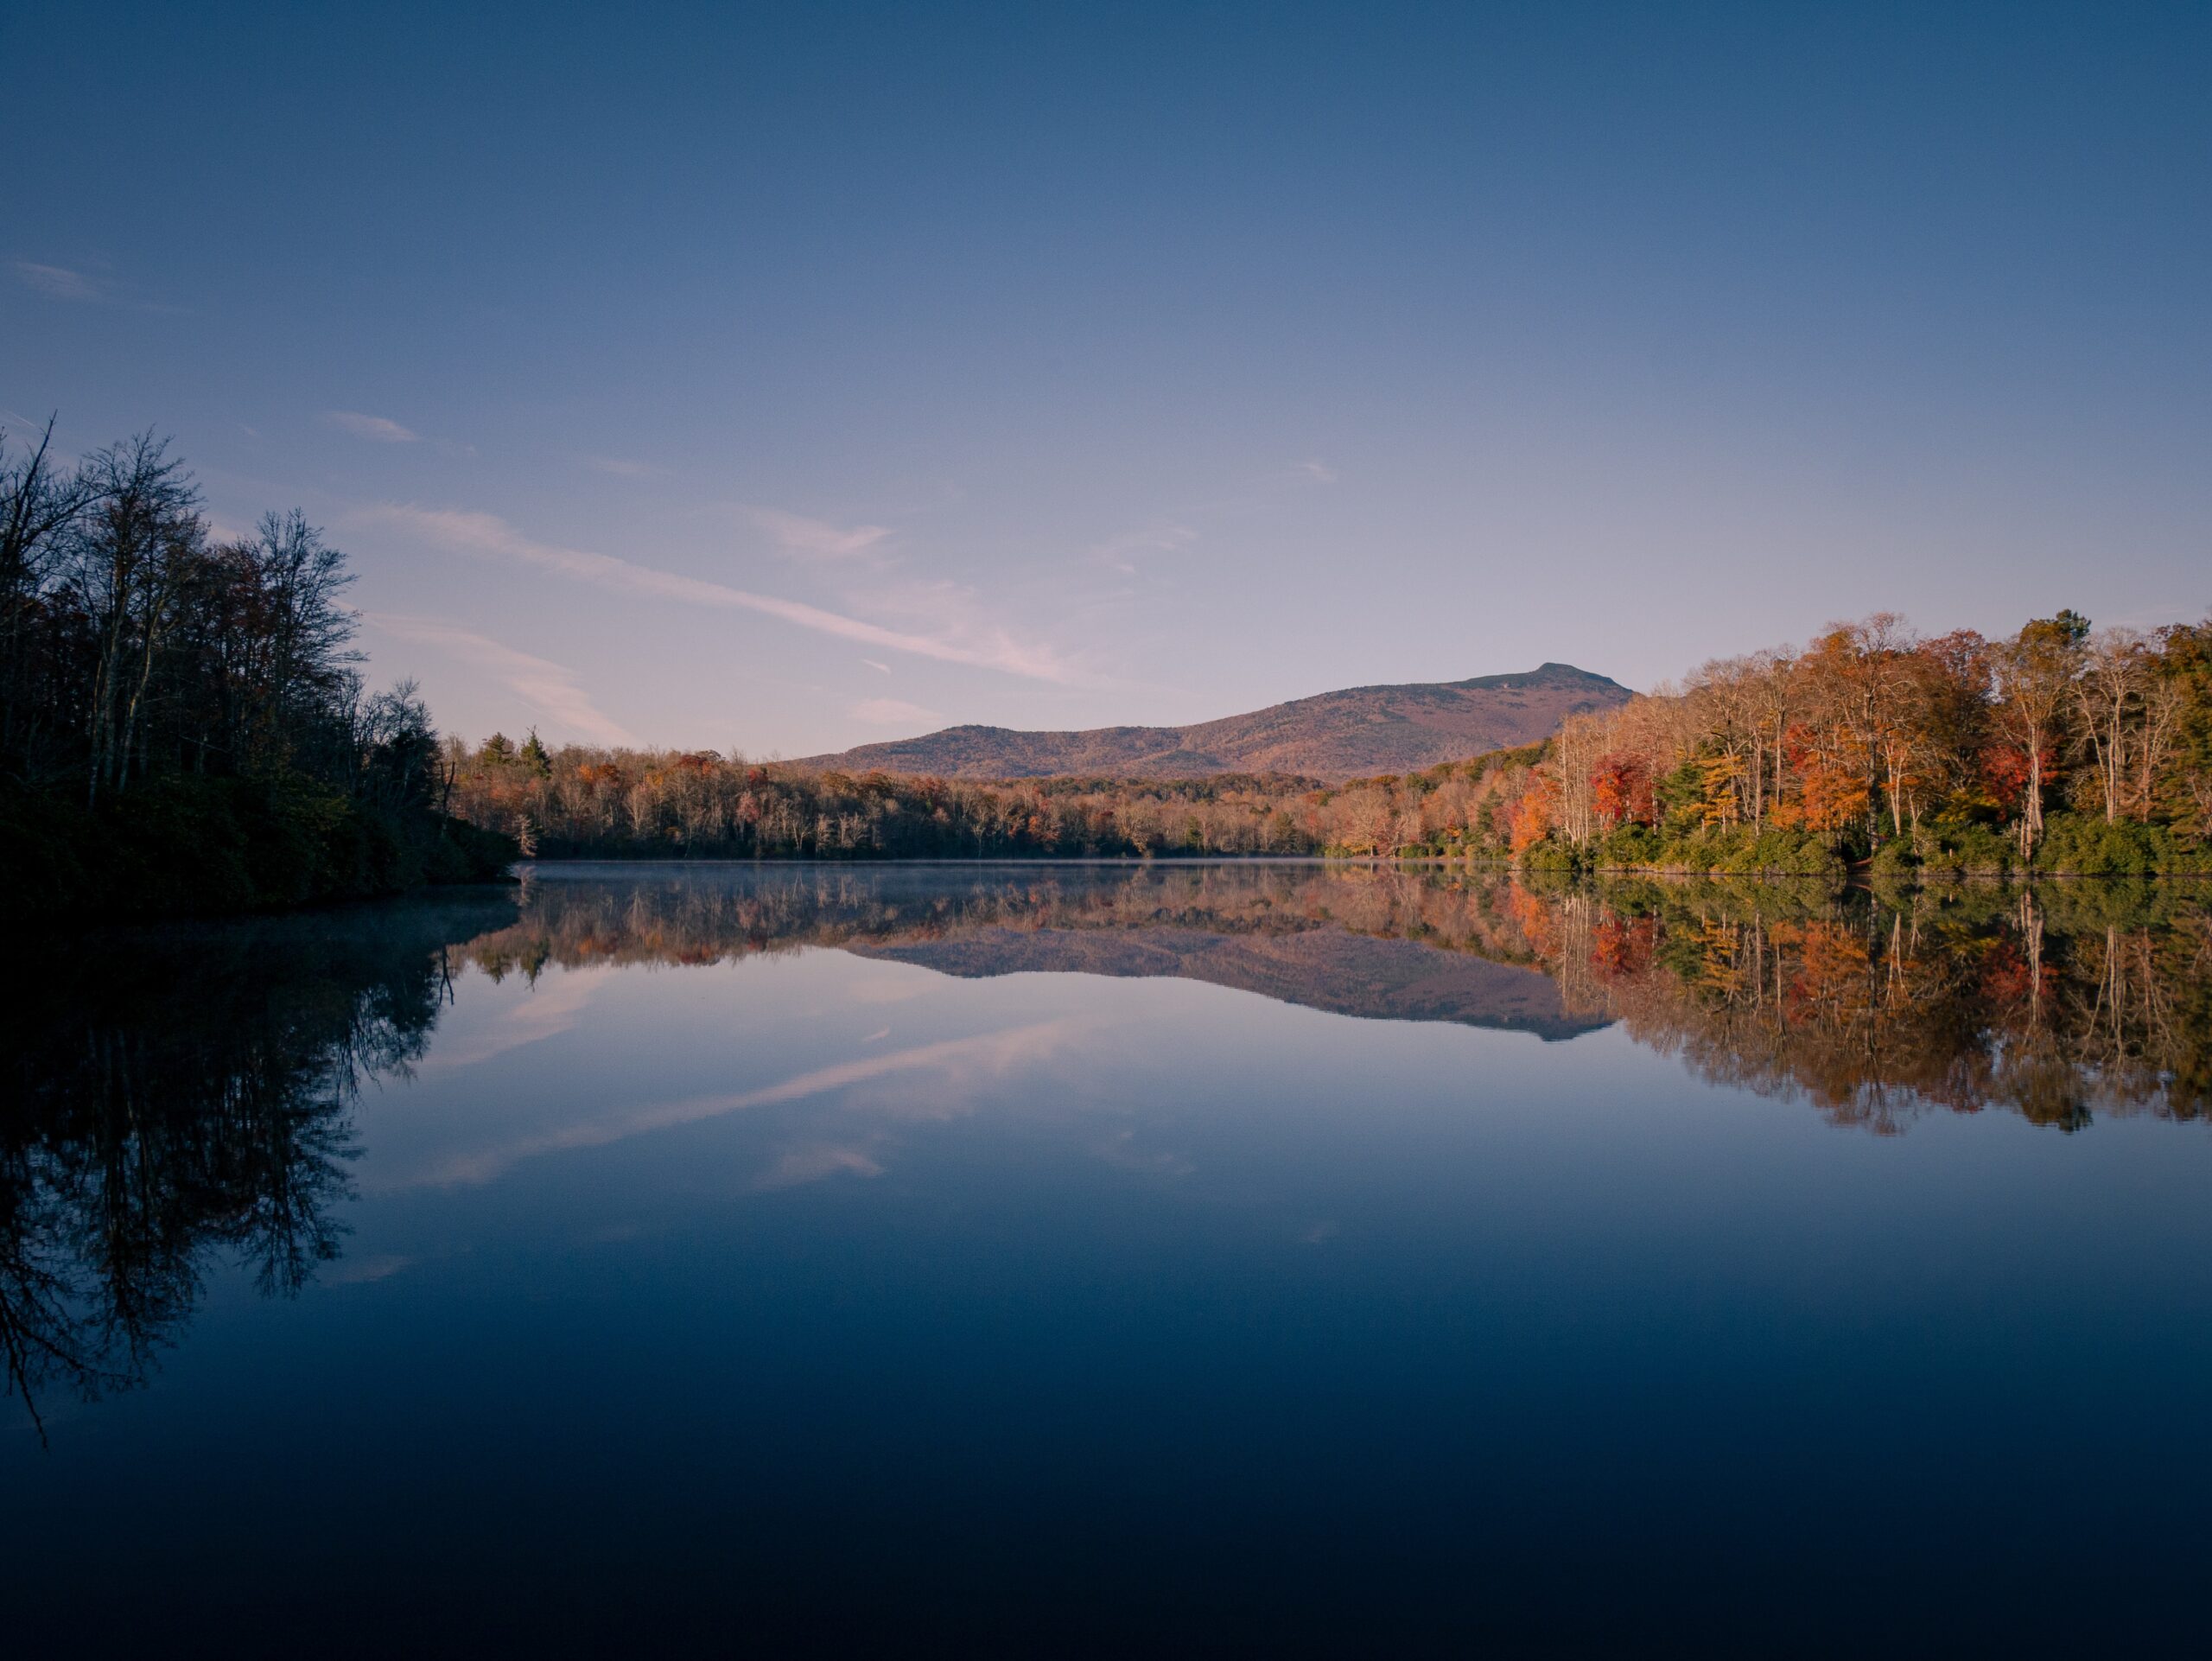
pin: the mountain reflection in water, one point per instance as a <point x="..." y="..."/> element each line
<point x="2058" y="1004"/>
<point x="1124" y="1258"/>
<point x="181" y="1095"/>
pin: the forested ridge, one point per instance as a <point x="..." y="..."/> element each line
<point x="183" y="724"/>
<point x="2062" y="749"/>
<point x="1355" y="732"/>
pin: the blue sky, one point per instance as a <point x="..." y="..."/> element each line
<point x="780" y="378"/>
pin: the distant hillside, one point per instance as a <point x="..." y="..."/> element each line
<point x="1353" y="734"/>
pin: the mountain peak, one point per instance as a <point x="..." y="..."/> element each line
<point x="1356" y="732"/>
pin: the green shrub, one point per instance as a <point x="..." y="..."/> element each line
<point x="1549" y="855"/>
<point x="2081" y="845"/>
<point x="1894" y="862"/>
<point x="1963" y="851"/>
<point x="1734" y="851"/>
<point x="1629" y="847"/>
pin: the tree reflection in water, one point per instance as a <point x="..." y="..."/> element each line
<point x="2059" y="1002"/>
<point x="177" y="1096"/>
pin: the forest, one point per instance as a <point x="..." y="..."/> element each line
<point x="2062" y="748"/>
<point x="184" y="727"/>
<point x="183" y="723"/>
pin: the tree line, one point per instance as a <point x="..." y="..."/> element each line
<point x="582" y="801"/>
<point x="183" y="722"/>
<point x="2063" y="748"/>
<point x="579" y="801"/>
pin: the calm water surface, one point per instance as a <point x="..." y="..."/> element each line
<point x="1280" y="1258"/>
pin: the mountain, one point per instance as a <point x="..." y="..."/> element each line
<point x="1354" y="734"/>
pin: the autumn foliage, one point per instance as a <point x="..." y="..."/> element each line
<point x="2062" y="748"/>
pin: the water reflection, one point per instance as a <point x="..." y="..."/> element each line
<point x="1357" y="941"/>
<point x="687" y="1300"/>
<point x="182" y="1096"/>
<point x="2058" y="1004"/>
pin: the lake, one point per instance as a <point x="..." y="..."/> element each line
<point x="1282" y="1257"/>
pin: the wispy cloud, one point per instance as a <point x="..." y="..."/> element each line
<point x="794" y="533"/>
<point x="1121" y="1151"/>
<point x="375" y="428"/>
<point x="880" y="668"/>
<point x="1319" y="471"/>
<point x="60" y="282"/>
<point x="895" y="712"/>
<point x="487" y="533"/>
<point x="1121" y="552"/>
<point x="817" y="1162"/>
<point x="82" y="286"/>
<point x="549" y="689"/>
<point x="621" y="466"/>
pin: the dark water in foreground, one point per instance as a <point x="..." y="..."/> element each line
<point x="1263" y="1258"/>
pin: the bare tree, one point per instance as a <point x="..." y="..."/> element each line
<point x="2035" y="673"/>
<point x="2166" y="702"/>
<point x="2109" y="696"/>
<point x="291" y="641"/>
<point x="129" y="557"/>
<point x="40" y="503"/>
